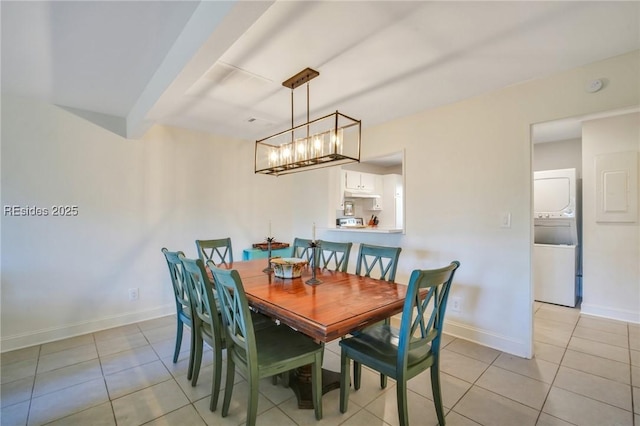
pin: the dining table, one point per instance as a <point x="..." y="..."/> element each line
<point x="339" y="304"/>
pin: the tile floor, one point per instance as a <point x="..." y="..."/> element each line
<point x="586" y="372"/>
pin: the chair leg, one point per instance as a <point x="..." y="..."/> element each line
<point x="176" y="352"/>
<point x="344" y="382"/>
<point x="401" y="395"/>
<point x="228" y="386"/>
<point x="197" y="359"/>
<point x="383" y="381"/>
<point x="316" y="383"/>
<point x="252" y="407"/>
<point x="217" y="377"/>
<point x="357" y="372"/>
<point x="192" y="353"/>
<point x="437" y="394"/>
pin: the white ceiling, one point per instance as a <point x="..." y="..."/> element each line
<point x="214" y="65"/>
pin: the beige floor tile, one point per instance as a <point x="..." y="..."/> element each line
<point x="101" y="415"/>
<point x="599" y="349"/>
<point x="550" y="324"/>
<point x="548" y="420"/>
<point x="365" y="418"/>
<point x="635" y="375"/>
<point x="369" y="388"/>
<point x="60" y="345"/>
<point x="636" y="399"/>
<point x="10" y="357"/>
<point x="133" y="379"/>
<point x="165" y="348"/>
<point x="115" y="332"/>
<point x="635" y="357"/>
<point x="580" y="410"/>
<point x="331" y="414"/>
<point x="446" y="340"/>
<point x="67" y="376"/>
<point x="15" y="414"/>
<point x="514" y="386"/>
<point x="455" y="419"/>
<point x="603" y="367"/>
<point x="473" y="350"/>
<point x="421" y="409"/>
<point x="461" y="366"/>
<point x="186" y="415"/>
<point x="67" y="401"/>
<point x="602" y="336"/>
<point x="158" y="322"/>
<point x="149" y="403"/>
<point x="237" y="408"/>
<point x="603" y="324"/>
<point x="488" y="408"/>
<point x="548" y="352"/>
<point x="163" y="333"/>
<point x="594" y="387"/>
<point x="275" y="393"/>
<point x="534" y="368"/>
<point x="556" y="313"/>
<point x="553" y="337"/>
<point x="275" y="417"/>
<point x="16" y="391"/>
<point x="121" y="344"/>
<point x="18" y="370"/>
<point x="127" y="359"/>
<point x="66" y="358"/>
<point x="451" y="387"/>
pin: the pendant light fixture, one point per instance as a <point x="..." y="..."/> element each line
<point x="326" y="141"/>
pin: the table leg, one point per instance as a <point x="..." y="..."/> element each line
<point x="300" y="382"/>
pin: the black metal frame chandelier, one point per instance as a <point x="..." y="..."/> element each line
<point x="326" y="141"/>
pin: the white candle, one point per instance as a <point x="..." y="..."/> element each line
<point x="269" y="230"/>
<point x="313" y="232"/>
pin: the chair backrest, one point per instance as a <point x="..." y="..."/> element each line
<point x="301" y="249"/>
<point x="218" y="251"/>
<point x="203" y="300"/>
<point x="334" y="256"/>
<point x="178" y="280"/>
<point x="386" y="258"/>
<point x="236" y="316"/>
<point x="415" y="334"/>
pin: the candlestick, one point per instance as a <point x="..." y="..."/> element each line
<point x="313" y="232"/>
<point x="268" y="269"/>
<point x="314" y="257"/>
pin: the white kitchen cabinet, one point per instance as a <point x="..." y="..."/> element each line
<point x="376" y="204"/>
<point x="358" y="181"/>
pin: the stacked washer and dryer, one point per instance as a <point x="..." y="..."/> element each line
<point x="556" y="249"/>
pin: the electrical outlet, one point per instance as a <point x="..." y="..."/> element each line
<point x="133" y="294"/>
<point x="456" y="303"/>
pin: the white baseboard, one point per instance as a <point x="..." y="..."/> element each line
<point x="9" y="343"/>
<point x="610" y="313"/>
<point x="521" y="348"/>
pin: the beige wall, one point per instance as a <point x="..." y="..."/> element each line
<point x="467" y="163"/>
<point x="611" y="271"/>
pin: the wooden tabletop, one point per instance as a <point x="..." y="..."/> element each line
<point x="342" y="303"/>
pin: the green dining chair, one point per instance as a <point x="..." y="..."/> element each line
<point x="406" y="352"/>
<point x="334" y="256"/>
<point x="261" y="353"/>
<point x="184" y="314"/>
<point x="207" y="323"/>
<point x="301" y="249"/>
<point x="218" y="251"/>
<point x="378" y="262"/>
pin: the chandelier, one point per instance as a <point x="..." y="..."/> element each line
<point x="326" y="141"/>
